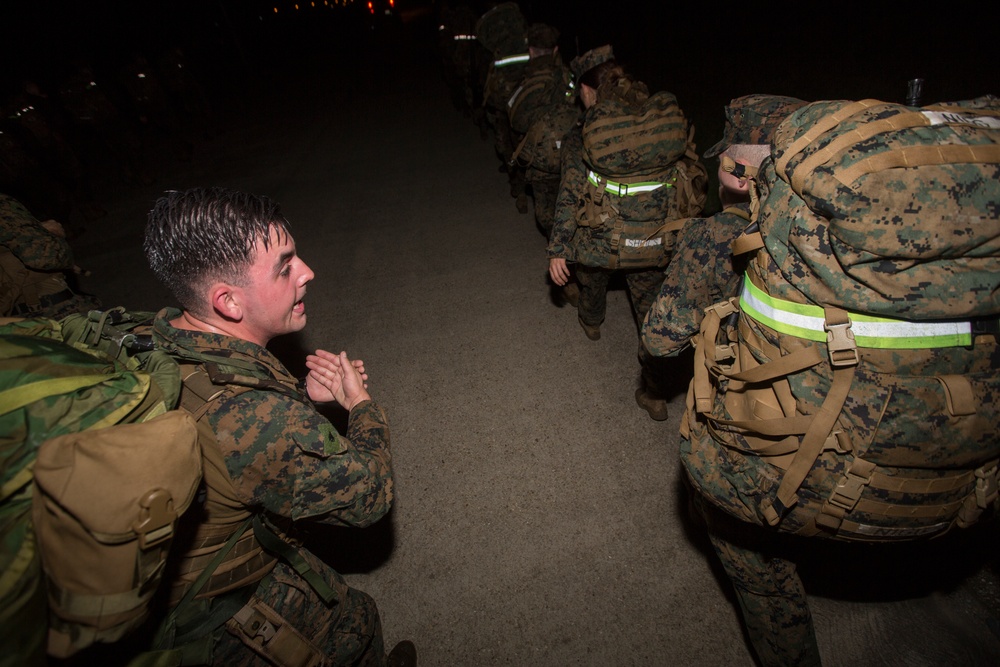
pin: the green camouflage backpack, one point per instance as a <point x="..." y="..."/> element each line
<point x="551" y="86"/>
<point x="97" y="468"/>
<point x="541" y="147"/>
<point x="852" y="390"/>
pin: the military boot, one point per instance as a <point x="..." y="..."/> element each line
<point x="651" y="403"/>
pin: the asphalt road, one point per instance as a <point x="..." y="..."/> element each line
<point x="539" y="517"/>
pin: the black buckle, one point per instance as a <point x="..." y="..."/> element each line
<point x="986" y="327"/>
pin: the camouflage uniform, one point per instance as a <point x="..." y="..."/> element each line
<point x="883" y="450"/>
<point x="502" y="30"/>
<point x="549" y="67"/>
<point x="700" y="273"/>
<point x="287" y="462"/>
<point x="703" y="272"/>
<point x="33" y="262"/>
<point x="643" y="284"/>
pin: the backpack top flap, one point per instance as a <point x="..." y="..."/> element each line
<point x="76" y="471"/>
<point x="889" y="209"/>
<point x="620" y="139"/>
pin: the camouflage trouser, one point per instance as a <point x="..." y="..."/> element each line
<point x="770" y="592"/>
<point x="347" y="632"/>
<point x="544" y="192"/>
<point x="643" y="287"/>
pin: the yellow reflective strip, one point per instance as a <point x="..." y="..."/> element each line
<point x="629" y="188"/>
<point x="795" y="319"/>
<point x="807" y="321"/>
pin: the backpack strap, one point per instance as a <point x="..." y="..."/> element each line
<point x="275" y="544"/>
<point x="843" y="362"/>
<point x="751" y="239"/>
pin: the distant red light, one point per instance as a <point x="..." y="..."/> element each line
<point x="371" y="8"/>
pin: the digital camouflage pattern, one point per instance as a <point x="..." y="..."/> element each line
<point x="547" y="82"/>
<point x="286" y="459"/>
<point x="887" y="209"/>
<point x="542" y="110"/>
<point x="38" y="248"/>
<point x="912" y="449"/>
<point x="629" y="132"/>
<point x="701" y="272"/>
<point x="348" y="632"/>
<point x="752" y="119"/>
<point x="588" y="60"/>
<point x="770" y="593"/>
<point x="594" y="226"/>
<point x="540" y="149"/>
<point x="574" y="243"/>
<point x="32" y="265"/>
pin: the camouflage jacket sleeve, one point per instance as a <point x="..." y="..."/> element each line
<point x="571" y="188"/>
<point x="284" y="455"/>
<point x="699" y="275"/>
<point x="32" y="244"/>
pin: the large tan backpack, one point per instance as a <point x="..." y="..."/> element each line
<point x="854" y="385"/>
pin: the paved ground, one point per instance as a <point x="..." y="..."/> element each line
<point x="539" y="518"/>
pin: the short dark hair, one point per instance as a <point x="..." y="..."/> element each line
<point x="204" y="234"/>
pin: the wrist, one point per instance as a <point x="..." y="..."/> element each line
<point x="358" y="400"/>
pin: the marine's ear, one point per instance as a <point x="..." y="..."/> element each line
<point x="226" y="301"/>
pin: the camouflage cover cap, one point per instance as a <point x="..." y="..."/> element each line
<point x="752" y="119"/>
<point x="542" y="36"/>
<point x="591" y="59"/>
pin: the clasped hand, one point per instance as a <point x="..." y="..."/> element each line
<point x="334" y="377"/>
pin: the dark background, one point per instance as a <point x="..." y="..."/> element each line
<point x="697" y="49"/>
<point x="706" y="53"/>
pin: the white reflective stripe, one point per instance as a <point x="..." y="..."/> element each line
<point x="509" y="60"/>
<point x="510" y="102"/>
<point x="806" y="321"/>
<point x="947" y="117"/>
<point x="643" y="243"/>
<point x="465" y="37"/>
<point x="623" y="189"/>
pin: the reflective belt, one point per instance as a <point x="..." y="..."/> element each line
<point x="807" y="321"/>
<point x="510" y="60"/>
<point x="624" y="189"/>
<point x="465" y="38"/>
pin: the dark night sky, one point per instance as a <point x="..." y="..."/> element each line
<point x="845" y="50"/>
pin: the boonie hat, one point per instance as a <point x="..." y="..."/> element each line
<point x="752" y="119"/>
<point x="591" y="59"/>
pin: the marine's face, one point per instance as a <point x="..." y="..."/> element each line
<point x="276" y="286"/>
<point x="732" y="189"/>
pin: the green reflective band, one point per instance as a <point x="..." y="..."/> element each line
<point x="510" y="60"/>
<point x="624" y="189"/>
<point x="807" y="321"/>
